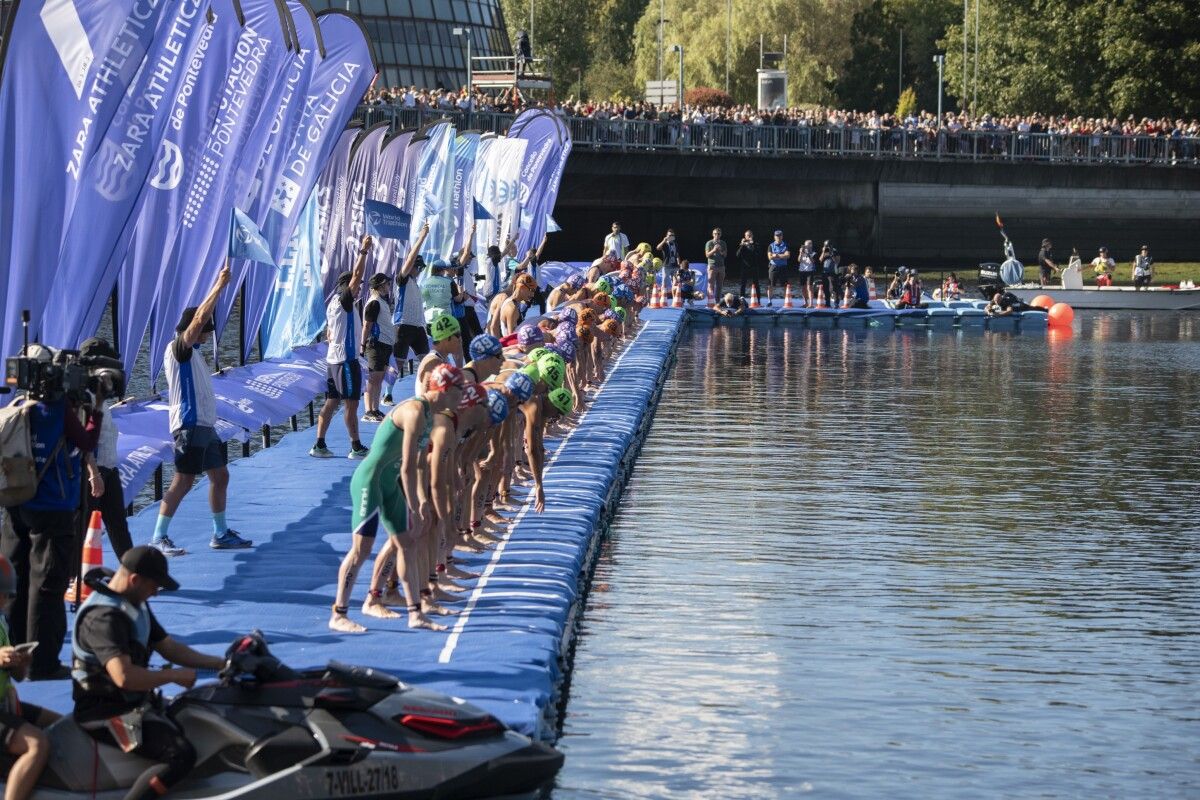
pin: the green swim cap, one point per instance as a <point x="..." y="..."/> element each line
<point x="533" y="372"/>
<point x="604" y="285"/>
<point x="443" y="327"/>
<point x="562" y="400"/>
<point x="535" y="355"/>
<point x="621" y="313"/>
<point x="613" y="304"/>
<point x="550" y="358"/>
<point x="552" y="373"/>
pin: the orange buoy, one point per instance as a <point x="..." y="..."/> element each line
<point x="1042" y="301"/>
<point x="1061" y="314"/>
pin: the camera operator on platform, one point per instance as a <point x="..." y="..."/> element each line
<point x="41" y="544"/>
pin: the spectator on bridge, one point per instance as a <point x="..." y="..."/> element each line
<point x="1104" y="267"/>
<point x="1143" y="268"/>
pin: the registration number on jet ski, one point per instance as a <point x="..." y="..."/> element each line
<point x="362" y="780"/>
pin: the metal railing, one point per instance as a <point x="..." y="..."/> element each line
<point x="829" y="142"/>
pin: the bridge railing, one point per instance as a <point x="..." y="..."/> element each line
<point x="827" y="141"/>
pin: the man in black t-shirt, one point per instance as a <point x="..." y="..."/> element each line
<point x="114" y="689"/>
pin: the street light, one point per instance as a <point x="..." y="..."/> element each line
<point x="466" y="32"/>
<point x="940" y="60"/>
<point x="678" y="48"/>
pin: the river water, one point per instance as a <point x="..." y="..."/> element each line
<point x="927" y="565"/>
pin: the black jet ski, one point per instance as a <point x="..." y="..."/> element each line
<point x="266" y="731"/>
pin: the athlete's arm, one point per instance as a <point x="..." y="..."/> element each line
<point x="360" y="266"/>
<point x="410" y="260"/>
<point x="412" y="454"/>
<point x="542" y="246"/>
<point x="204" y="312"/>
<point x="439" y="474"/>
<point x="535" y="451"/>
<point x="464" y="257"/>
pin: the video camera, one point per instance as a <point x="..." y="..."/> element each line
<point x="49" y="374"/>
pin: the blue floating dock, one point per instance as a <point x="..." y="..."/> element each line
<point x="505" y="651"/>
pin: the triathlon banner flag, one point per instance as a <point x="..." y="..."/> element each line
<point x="462" y="203"/>
<point x="481" y="212"/>
<point x="339" y="80"/>
<point x="389" y="188"/>
<point x="433" y="180"/>
<point x="296" y="311"/>
<point x="551" y="225"/>
<point x="548" y="144"/>
<point x="386" y="221"/>
<point x="343" y="239"/>
<point x="133" y="155"/>
<point x="293" y="305"/>
<point x="67" y="66"/>
<point x="259" y="61"/>
<point x="292" y="91"/>
<point x="246" y="240"/>
<point x="138" y="251"/>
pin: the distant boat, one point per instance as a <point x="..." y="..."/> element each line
<point x="1155" y="298"/>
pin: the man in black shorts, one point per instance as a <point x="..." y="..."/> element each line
<point x="113" y="687"/>
<point x="1046" y="264"/>
<point x="409" y="309"/>
<point x="778" y="256"/>
<point x="343" y="330"/>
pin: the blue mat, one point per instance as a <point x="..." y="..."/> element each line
<point x="504" y="652"/>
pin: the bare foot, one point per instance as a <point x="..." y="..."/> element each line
<point x="457" y="572"/>
<point x="343" y="624"/>
<point x="418" y="620"/>
<point x="495" y="517"/>
<point x="374" y="607"/>
<point x="445" y="591"/>
<point x="393" y="597"/>
<point x="468" y="547"/>
<point x="430" y="607"/>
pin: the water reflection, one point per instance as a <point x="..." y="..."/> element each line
<point x="865" y="564"/>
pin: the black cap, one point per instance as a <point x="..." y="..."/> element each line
<point x="149" y="562"/>
<point x="379" y="280"/>
<point x="97" y="346"/>
<point x="185" y="319"/>
<point x="344" y="279"/>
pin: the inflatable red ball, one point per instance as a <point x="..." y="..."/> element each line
<point x="1042" y="301"/>
<point x="1061" y="314"/>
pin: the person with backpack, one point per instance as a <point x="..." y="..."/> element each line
<point x="43" y="513"/>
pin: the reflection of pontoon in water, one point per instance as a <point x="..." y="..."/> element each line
<point x="1010" y="276"/>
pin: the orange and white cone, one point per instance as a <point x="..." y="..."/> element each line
<point x="787" y="296"/>
<point x="676" y="298"/>
<point x="653" y="296"/>
<point x="821" y="302"/>
<point x="871" y="289"/>
<point x="754" y="295"/>
<point x="93" y="557"/>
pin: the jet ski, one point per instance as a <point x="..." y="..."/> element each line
<point x="263" y="730"/>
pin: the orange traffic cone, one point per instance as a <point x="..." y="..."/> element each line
<point x="93" y="556"/>
<point x="787" y="296"/>
<point x="712" y="301"/>
<point x="754" y="295"/>
<point x="821" y="302"/>
<point x="676" y="298"/>
<point x="871" y="289"/>
<point x="653" y="296"/>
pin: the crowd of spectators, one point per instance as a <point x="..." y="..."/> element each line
<point x="1001" y="135"/>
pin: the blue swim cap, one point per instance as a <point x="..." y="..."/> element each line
<point x="565" y="348"/>
<point x="497" y="406"/>
<point x="521" y="386"/>
<point x="485" y="346"/>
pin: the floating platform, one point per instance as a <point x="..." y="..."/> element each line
<point x="933" y="316"/>
<point x="506" y="650"/>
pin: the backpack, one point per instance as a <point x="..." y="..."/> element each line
<point x="19" y="477"/>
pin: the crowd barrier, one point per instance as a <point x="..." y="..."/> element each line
<point x="824" y="141"/>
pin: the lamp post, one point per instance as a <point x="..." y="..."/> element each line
<point x="728" y="40"/>
<point x="467" y="33"/>
<point x="940" y="60"/>
<point x="678" y="48"/>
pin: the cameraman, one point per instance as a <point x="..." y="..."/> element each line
<point x="106" y="495"/>
<point x="828" y="273"/>
<point x="41" y="544"/>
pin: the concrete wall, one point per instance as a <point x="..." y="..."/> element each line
<point x="879" y="212"/>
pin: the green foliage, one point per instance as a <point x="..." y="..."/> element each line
<point x="707" y="96"/>
<point x="610" y="79"/>
<point x="1085" y="57"/>
<point x="907" y="104"/>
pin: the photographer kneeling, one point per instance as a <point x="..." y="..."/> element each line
<point x="114" y="691"/>
<point x="42" y="543"/>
